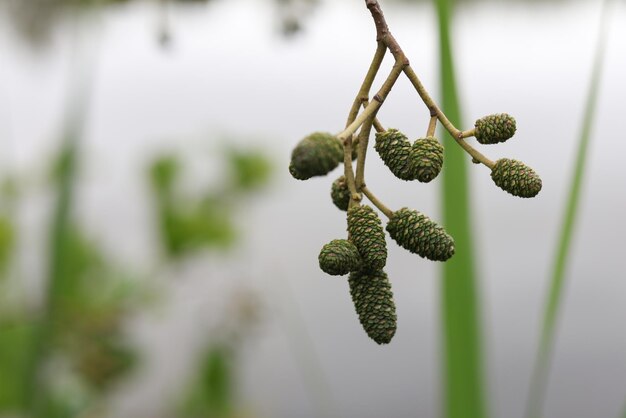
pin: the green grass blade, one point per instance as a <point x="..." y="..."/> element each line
<point x="64" y="175"/>
<point x="464" y="395"/>
<point x="539" y="378"/>
<point x="56" y="284"/>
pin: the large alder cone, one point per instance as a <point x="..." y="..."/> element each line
<point x="339" y="257"/>
<point x="516" y="178"/>
<point x="315" y="155"/>
<point x="495" y="128"/>
<point x="373" y="301"/>
<point x="419" y="234"/>
<point x="426" y="159"/>
<point x="366" y="232"/>
<point x="394" y="149"/>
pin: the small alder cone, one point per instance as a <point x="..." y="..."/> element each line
<point x="427" y="159"/>
<point x="516" y="178"/>
<point x="315" y="155"/>
<point x="367" y="234"/>
<point x="340" y="193"/>
<point x="373" y="301"/>
<point x="394" y="149"/>
<point x="419" y="234"/>
<point x="339" y="257"/>
<point x="496" y="128"/>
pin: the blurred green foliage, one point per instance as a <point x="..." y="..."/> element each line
<point x="212" y="392"/>
<point x="463" y="382"/>
<point x="249" y="169"/>
<point x="187" y="223"/>
<point x="61" y="359"/>
<point x="16" y="336"/>
<point x="190" y="223"/>
<point x="6" y="242"/>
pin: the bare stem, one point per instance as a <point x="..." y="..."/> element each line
<point x="432" y="125"/>
<point x="375" y="104"/>
<point x="364" y="135"/>
<point x="429" y="102"/>
<point x="383" y="35"/>
<point x="384" y="209"/>
<point x="377" y="125"/>
<point x="363" y="94"/>
<point x="348" y="172"/>
<point x="469" y="133"/>
<point x="474" y="153"/>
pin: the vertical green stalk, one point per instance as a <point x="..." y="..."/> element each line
<point x="539" y="379"/>
<point x="40" y="402"/>
<point x="58" y="253"/>
<point x="464" y="395"/>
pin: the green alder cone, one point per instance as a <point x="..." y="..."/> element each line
<point x="340" y="193"/>
<point x="366" y="232"/>
<point x="373" y="301"/>
<point x="394" y="149"/>
<point x="426" y="159"/>
<point x="315" y="155"/>
<point x="339" y="257"/>
<point x="516" y="178"/>
<point x="419" y="234"/>
<point x="495" y="128"/>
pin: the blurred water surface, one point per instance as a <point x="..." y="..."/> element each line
<point x="228" y="75"/>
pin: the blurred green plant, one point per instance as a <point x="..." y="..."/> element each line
<point x="6" y="242"/>
<point x="206" y="221"/>
<point x="539" y="380"/>
<point x="189" y="223"/>
<point x="211" y="391"/>
<point x="463" y="377"/>
<point x="212" y="395"/>
<point x="62" y="361"/>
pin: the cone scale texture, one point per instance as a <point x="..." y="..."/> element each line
<point x="418" y="234"/>
<point x="339" y="257"/>
<point x="366" y="232"/>
<point x="315" y="155"/>
<point x="373" y="302"/>
<point x="394" y="149"/>
<point x="426" y="159"/>
<point x="340" y="194"/>
<point x="496" y="128"/>
<point x="516" y="178"/>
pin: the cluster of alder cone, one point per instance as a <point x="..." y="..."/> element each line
<point x="363" y="254"/>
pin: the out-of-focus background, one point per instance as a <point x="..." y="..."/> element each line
<point x="158" y="260"/>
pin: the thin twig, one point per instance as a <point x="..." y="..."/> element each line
<point x="349" y="172"/>
<point x="363" y="94"/>
<point x="383" y="35"/>
<point x="476" y="155"/>
<point x="370" y="111"/>
<point x="432" y="125"/>
<point x="384" y="209"/>
<point x="469" y="133"/>
<point x="377" y="125"/>
<point x="364" y="135"/>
